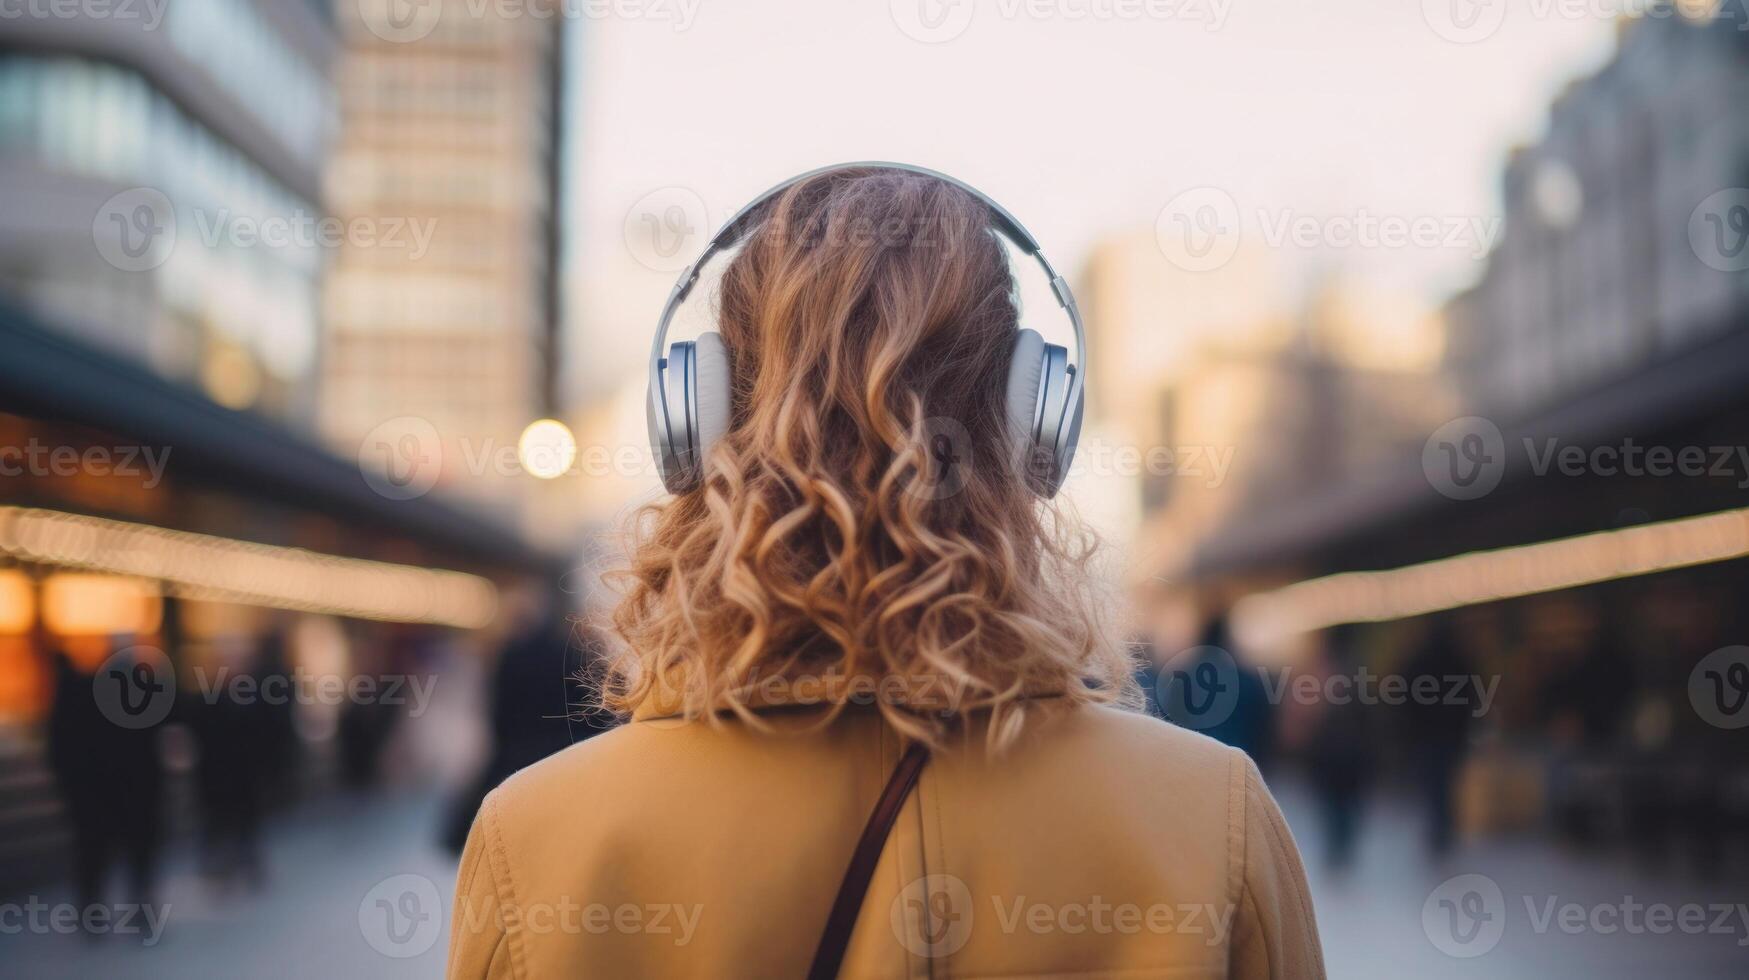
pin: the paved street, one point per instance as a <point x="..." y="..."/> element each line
<point x="325" y="859"/>
<point x="1371" y="919"/>
<point x="322" y="861"/>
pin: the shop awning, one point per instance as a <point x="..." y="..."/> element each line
<point x="51" y="376"/>
<point x="1397" y="497"/>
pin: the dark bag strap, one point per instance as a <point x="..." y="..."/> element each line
<point x="848" y="905"/>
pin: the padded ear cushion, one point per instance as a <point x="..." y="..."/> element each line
<point x="1067" y="445"/>
<point x="661" y="444"/>
<point x="711" y="367"/>
<point x="1024" y="375"/>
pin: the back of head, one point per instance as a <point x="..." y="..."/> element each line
<point x="863" y="519"/>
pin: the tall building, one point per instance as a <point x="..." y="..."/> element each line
<point x="163" y="244"/>
<point x="1627" y="225"/>
<point x="449" y="129"/>
<point x="140" y="149"/>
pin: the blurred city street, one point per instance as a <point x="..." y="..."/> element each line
<point x="1414" y="341"/>
<point x="320" y="860"/>
<point x="1370" y="918"/>
<point x="323" y="859"/>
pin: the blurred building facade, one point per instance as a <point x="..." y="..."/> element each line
<point x="1611" y="320"/>
<point x="151" y="140"/>
<point x="165" y="244"/>
<point x="1607" y="215"/>
<point x="455" y="125"/>
<point x="1242" y="386"/>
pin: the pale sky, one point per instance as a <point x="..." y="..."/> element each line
<point x="1083" y="126"/>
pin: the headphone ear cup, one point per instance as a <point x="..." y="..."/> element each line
<point x="710" y="396"/>
<point x="1068" y="439"/>
<point x="1046" y="464"/>
<point x="1025" y="375"/>
<point x="668" y="438"/>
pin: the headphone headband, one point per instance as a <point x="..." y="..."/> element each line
<point x="1008" y="225"/>
<point x="689" y="410"/>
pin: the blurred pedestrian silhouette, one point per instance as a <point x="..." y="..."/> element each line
<point x="280" y="749"/>
<point x="1212" y="689"/>
<point x="243" y="733"/>
<point x="111" y="782"/>
<point x="1439" y="730"/>
<point x="368" y="723"/>
<point x="1340" y="751"/>
<point x="1586" y="694"/>
<point x="535" y="706"/>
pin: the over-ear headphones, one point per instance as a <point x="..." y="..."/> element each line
<point x="689" y="407"/>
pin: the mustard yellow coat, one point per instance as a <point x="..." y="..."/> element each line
<point x="1102" y="844"/>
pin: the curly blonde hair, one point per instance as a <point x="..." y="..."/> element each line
<point x="862" y="519"/>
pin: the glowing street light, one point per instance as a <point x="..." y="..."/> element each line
<point x="547" y="449"/>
